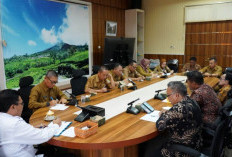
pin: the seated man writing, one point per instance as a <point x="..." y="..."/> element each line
<point x="213" y="70"/>
<point x="117" y="74"/>
<point x="46" y="93"/>
<point x="182" y="121"/>
<point x="130" y="72"/>
<point x="100" y="81"/>
<point x="16" y="136"/>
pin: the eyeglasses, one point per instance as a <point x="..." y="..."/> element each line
<point x="53" y="82"/>
<point x="22" y="103"/>
<point x="170" y="94"/>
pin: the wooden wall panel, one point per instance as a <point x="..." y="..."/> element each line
<point x="209" y="39"/>
<point x="102" y="11"/>
<point x="167" y="57"/>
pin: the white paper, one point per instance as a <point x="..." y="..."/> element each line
<point x="63" y="126"/>
<point x="59" y="107"/>
<point x="78" y="112"/>
<point x="166" y="108"/>
<point x="69" y="132"/>
<point x="166" y="101"/>
<point x="152" y="117"/>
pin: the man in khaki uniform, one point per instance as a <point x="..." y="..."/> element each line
<point x="212" y="70"/>
<point x="100" y="81"/>
<point x="117" y="74"/>
<point x="192" y="65"/>
<point x="46" y="93"/>
<point x="130" y="72"/>
<point x="223" y="86"/>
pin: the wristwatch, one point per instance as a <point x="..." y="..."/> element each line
<point x="47" y="103"/>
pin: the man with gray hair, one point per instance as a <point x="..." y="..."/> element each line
<point x="182" y="121"/>
<point x="46" y="93"/>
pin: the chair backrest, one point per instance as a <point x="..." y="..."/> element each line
<point x="78" y="82"/>
<point x="228" y="70"/>
<point x="95" y="69"/>
<point x="173" y="64"/>
<point x="25" y="84"/>
<point x="223" y="127"/>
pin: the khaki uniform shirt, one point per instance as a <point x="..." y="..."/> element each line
<point x="116" y="77"/>
<point x="143" y="72"/>
<point x="127" y="73"/>
<point x="187" y="67"/>
<point x="222" y="93"/>
<point x="41" y="94"/>
<point x="216" y="70"/>
<point x="158" y="69"/>
<point x="94" y="83"/>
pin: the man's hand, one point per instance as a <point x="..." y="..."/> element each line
<point x="161" y="112"/>
<point x="207" y="74"/>
<point x="104" y="90"/>
<point x="53" y="102"/>
<point x="57" y="121"/>
<point x="62" y="101"/>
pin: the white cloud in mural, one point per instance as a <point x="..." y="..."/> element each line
<point x="49" y="36"/>
<point x="31" y="43"/>
<point x="9" y="30"/>
<point x="75" y="27"/>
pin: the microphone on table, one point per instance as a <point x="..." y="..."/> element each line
<point x="160" y="96"/>
<point x="132" y="109"/>
<point x="134" y="87"/>
<point x="73" y="101"/>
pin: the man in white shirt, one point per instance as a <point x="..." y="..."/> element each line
<point x="16" y="136"/>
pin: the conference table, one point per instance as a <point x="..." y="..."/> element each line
<point x="119" y="136"/>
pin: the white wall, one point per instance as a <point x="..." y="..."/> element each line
<point x="164" y="24"/>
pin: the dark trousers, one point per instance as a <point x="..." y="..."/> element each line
<point x="152" y="148"/>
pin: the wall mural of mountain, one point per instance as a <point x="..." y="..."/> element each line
<point x="44" y="35"/>
<point x="61" y="57"/>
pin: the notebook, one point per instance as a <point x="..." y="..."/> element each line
<point x="62" y="128"/>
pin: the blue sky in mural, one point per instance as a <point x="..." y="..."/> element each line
<point x="30" y="26"/>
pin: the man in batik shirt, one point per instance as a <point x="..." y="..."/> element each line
<point x="182" y="121"/>
<point x="205" y="96"/>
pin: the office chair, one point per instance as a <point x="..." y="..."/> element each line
<point x="95" y="69"/>
<point x="220" y="132"/>
<point x="78" y="82"/>
<point x="173" y="64"/>
<point x="25" y="84"/>
<point x="228" y="70"/>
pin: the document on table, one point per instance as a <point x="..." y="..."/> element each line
<point x="166" y="108"/>
<point x="59" y="107"/>
<point x="64" y="126"/>
<point x="69" y="132"/>
<point x="166" y="101"/>
<point x="78" y="112"/>
<point x="152" y="117"/>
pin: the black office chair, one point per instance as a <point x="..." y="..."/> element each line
<point x="78" y="82"/>
<point x="173" y="64"/>
<point x="95" y="69"/>
<point x="109" y="66"/>
<point x="228" y="70"/>
<point x="25" y="84"/>
<point x="220" y="133"/>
